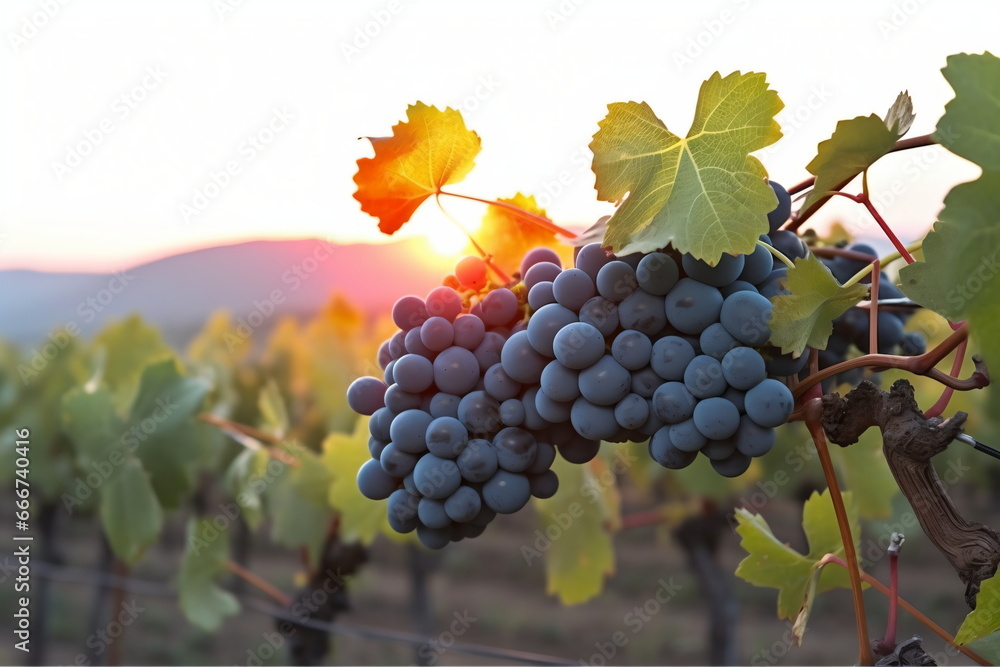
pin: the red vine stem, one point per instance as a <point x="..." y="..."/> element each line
<point x="539" y="220"/>
<point x="234" y="429"/>
<point x="862" y="198"/>
<point x="487" y="257"/>
<point x="956" y="367"/>
<point x="814" y="414"/>
<point x="913" y="611"/>
<point x="873" y="310"/>
<point x="259" y="583"/>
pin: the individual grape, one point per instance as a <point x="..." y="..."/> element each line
<point x="378" y="425"/>
<point x="413" y="373"/>
<point x="487" y="353"/>
<point x="512" y="412"/>
<point x="632" y="349"/>
<point x="733" y="465"/>
<point x="776" y="284"/>
<point x="479" y="412"/>
<point x="616" y="280"/>
<point x="506" y="492"/>
<point x="743" y="368"/>
<point x="724" y="272"/>
<point x="664" y="452"/>
<point x="890" y="332"/>
<point x="532" y="420"/>
<point x="716" y="342"/>
<point x="409" y="312"/>
<point x="716" y="418"/>
<point x="691" y="306"/>
<point x="537" y="255"/>
<point x="572" y="288"/>
<point x="410" y="485"/>
<point x="376" y="447"/>
<point x="463" y="505"/>
<point x="579" y="450"/>
<point x="673" y="403"/>
<point x="737" y="286"/>
<point x="632" y="411"/>
<point x="844" y="268"/>
<point x="544" y="485"/>
<point x="456" y="371"/>
<point x="560" y="383"/>
<point x="545" y="454"/>
<point x="783" y="365"/>
<point x="399" y="400"/>
<point x="402" y="511"/>
<point x="397" y="344"/>
<point x="754" y="440"/>
<point x="653" y="422"/>
<point x="703" y="377"/>
<point x="886" y="288"/>
<point x="601" y="314"/>
<point x="717" y="450"/>
<point x="374" y="482"/>
<point x="446" y="437"/>
<point x="520" y="360"/>
<point x="408" y="430"/>
<point x="657" y="273"/>
<point x="434" y="538"/>
<point x="499" y="307"/>
<point x="645" y="381"/>
<point x="643" y="312"/>
<point x="541" y="295"/>
<point x="757" y="264"/>
<point x="670" y="356"/>
<point x="499" y="385"/>
<point x="469" y="331"/>
<point x="747" y="316"/>
<point x="578" y="345"/>
<point x="478" y="461"/>
<point x="415" y="345"/>
<point x="541" y="271"/>
<point x="444" y="302"/>
<point x="515" y="449"/>
<point x="444" y="405"/>
<point x="366" y="395"/>
<point x="788" y="244"/>
<point x="436" y="477"/>
<point x="770" y="403"/>
<point x="437" y="334"/>
<point x="396" y="462"/>
<point x="606" y="382"/>
<point x="432" y="513"/>
<point x="545" y="323"/>
<point x="471" y="273"/>
<point x="551" y="410"/>
<point x="777" y="217"/>
<point x="384" y="355"/>
<point x="594" y="422"/>
<point x="591" y="258"/>
<point x="686" y="437"/>
<point x="913" y="344"/>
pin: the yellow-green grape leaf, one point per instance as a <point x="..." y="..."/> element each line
<point x="96" y="430"/>
<point x="296" y="500"/>
<point x="805" y="317"/>
<point x="704" y="193"/>
<point x="203" y="602"/>
<point x="771" y="563"/>
<point x="130" y="513"/>
<point x="572" y="536"/>
<point x="984" y="620"/>
<point x="957" y="277"/>
<point x="361" y="519"/>
<point x="127" y="347"/>
<point x="274" y="415"/>
<point x="856" y="144"/>
<point x="245" y="480"/>
<point x="863" y="469"/>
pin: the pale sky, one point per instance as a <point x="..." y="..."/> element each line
<point x="117" y="114"/>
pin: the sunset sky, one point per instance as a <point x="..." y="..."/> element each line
<point x="121" y="118"/>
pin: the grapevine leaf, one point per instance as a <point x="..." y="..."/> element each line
<point x="130" y="513"/>
<point x="773" y="564"/>
<point x="856" y="144"/>
<point x="988" y="647"/>
<point x="970" y="126"/>
<point x="271" y="404"/>
<point x="805" y="317"/>
<point x="507" y="236"/>
<point x="573" y="538"/>
<point x="430" y="149"/>
<point x="343" y="455"/>
<point x="203" y="602"/>
<point x="704" y="194"/>
<point x="128" y="347"/>
<point x="245" y="480"/>
<point x="297" y="501"/>
<point x="93" y="425"/>
<point x="985" y="618"/>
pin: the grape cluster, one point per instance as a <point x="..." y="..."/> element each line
<point x="484" y="384"/>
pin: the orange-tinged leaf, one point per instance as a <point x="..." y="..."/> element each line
<point x="507" y="235"/>
<point x="430" y="149"/>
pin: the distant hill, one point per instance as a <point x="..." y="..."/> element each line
<point x="179" y="292"/>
